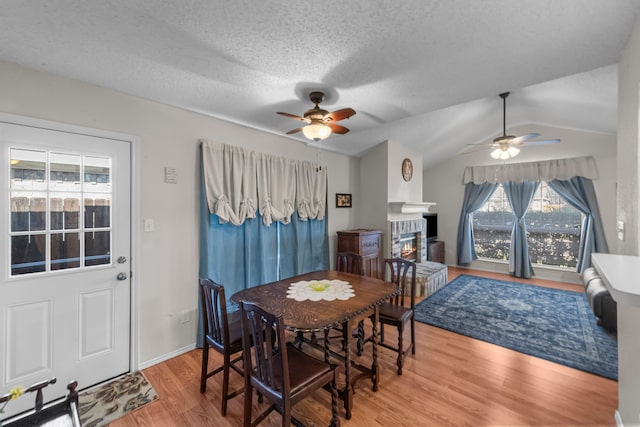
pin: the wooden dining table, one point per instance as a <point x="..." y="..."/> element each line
<point x="322" y="315"/>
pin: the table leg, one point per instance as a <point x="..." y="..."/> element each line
<point x="374" y="344"/>
<point x="348" y="387"/>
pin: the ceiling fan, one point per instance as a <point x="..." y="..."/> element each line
<point x="321" y="123"/>
<point x="506" y="146"/>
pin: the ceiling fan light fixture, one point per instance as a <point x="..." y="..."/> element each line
<point x="496" y="153"/>
<point x="513" y="151"/>
<point x="316" y="131"/>
<point x="321" y="123"/>
<point x="504" y="153"/>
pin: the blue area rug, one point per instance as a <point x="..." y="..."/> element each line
<point x="552" y="324"/>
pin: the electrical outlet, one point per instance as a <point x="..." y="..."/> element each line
<point x="149" y="225"/>
<point x="184" y="316"/>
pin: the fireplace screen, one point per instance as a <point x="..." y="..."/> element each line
<point x="408" y="247"/>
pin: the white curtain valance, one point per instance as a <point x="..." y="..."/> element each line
<point x="562" y="169"/>
<point x="238" y="182"/>
<point x="230" y="182"/>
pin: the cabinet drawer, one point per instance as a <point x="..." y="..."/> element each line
<point x="370" y="244"/>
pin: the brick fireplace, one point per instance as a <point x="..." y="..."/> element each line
<point x="400" y="230"/>
<point x="430" y="276"/>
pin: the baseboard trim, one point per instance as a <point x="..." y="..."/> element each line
<point x="546" y="273"/>
<point x="167" y="356"/>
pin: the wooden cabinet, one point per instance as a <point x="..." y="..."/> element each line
<point x="435" y="252"/>
<point x="367" y="243"/>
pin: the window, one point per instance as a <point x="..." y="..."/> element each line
<point x="492" y="227"/>
<point x="553" y="228"/>
<point x="60" y="211"/>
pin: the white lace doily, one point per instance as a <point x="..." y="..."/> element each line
<point x="316" y="290"/>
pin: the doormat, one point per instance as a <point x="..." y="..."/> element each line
<point x="107" y="402"/>
<point x="551" y="324"/>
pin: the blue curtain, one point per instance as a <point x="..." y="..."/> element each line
<point x="580" y="194"/>
<point x="304" y="246"/>
<point x="520" y="195"/>
<point x="475" y="195"/>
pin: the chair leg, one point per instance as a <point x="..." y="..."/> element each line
<point x="205" y="366"/>
<point x="413" y="335"/>
<point x="400" y="349"/>
<point x="248" y="402"/>
<point x="225" y="383"/>
<point x="286" y="414"/>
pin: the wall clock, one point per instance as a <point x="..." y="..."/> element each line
<point x="407" y="169"/>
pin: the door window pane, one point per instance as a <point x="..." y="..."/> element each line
<point x="65" y="212"/>
<point x="97" y="247"/>
<point x="65" y="251"/>
<point x="64" y="172"/>
<point x="28" y="169"/>
<point x="97" y="174"/>
<point x="97" y="211"/>
<point x="28" y="211"/>
<point x="28" y="254"/>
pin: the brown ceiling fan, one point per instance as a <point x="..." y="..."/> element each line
<point x="506" y="146"/>
<point x="321" y="123"/>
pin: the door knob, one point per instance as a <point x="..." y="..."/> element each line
<point x="122" y="276"/>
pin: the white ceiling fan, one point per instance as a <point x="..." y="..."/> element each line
<point x="507" y="146"/>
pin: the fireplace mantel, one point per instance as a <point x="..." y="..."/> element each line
<point x="410" y="207"/>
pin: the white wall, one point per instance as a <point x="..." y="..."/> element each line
<point x="168" y="137"/>
<point x="443" y="184"/>
<point x="627" y="211"/>
<point x="372" y="201"/>
<point x="400" y="190"/>
<point x="381" y="182"/>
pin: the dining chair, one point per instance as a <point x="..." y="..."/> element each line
<point x="222" y="331"/>
<point x="278" y="370"/>
<point x="351" y="262"/>
<point x="395" y="312"/>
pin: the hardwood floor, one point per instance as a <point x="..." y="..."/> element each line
<point x="451" y="381"/>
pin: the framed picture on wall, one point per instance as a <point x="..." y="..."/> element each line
<point x="343" y="200"/>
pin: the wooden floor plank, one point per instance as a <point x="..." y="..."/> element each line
<point x="452" y="380"/>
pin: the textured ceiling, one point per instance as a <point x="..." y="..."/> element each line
<point x="425" y="73"/>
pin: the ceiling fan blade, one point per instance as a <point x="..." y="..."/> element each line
<point x="337" y="128"/>
<point x="294" y="131"/>
<point x="474" y="150"/>
<point x="542" y="142"/>
<point x="293" y="116"/>
<point x="338" y="115"/>
<point x="521" y="139"/>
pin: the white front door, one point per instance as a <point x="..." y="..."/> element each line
<point x="65" y="230"/>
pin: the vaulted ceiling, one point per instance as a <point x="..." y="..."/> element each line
<point x="425" y="73"/>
